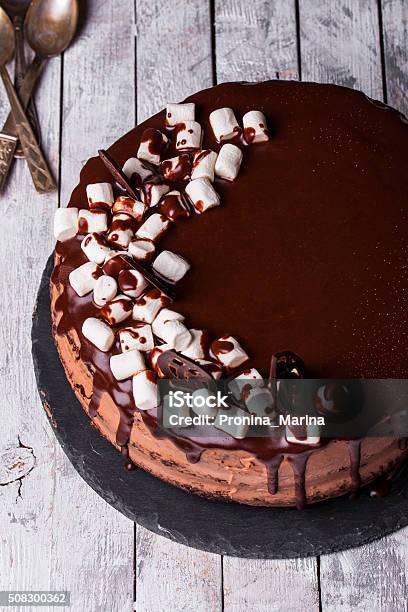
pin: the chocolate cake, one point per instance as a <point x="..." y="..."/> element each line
<point x="254" y="224"/>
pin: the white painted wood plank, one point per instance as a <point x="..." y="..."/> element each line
<point x="173" y="60"/>
<point x="270" y="586"/>
<point x="171" y="576"/>
<point x="255" y="40"/>
<point x="373" y="577"/>
<point x="93" y="544"/>
<point x="173" y="52"/>
<point x="395" y="30"/>
<point x="339" y="42"/>
<point x="26" y="505"/>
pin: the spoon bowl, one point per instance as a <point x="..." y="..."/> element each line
<point x="50" y="25"/>
<point x="7" y="38"/>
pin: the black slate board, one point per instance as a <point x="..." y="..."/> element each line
<point x="225" y="528"/>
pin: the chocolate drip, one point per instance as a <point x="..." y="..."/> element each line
<point x="354" y="447"/>
<point x="299" y="464"/>
<point x="272" y="468"/>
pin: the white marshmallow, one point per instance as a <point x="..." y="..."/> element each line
<point x="175" y="334"/>
<point x="138" y="336"/>
<point x="131" y="207"/>
<point x="224" y="124"/>
<point x="259" y="401"/>
<point x="177" y="168"/>
<point x="141" y="249"/>
<point x="312" y="436"/>
<point x="200" y="403"/>
<point x="65" y="223"/>
<point x="95" y="248"/>
<point x="117" y="310"/>
<point x="211" y="368"/>
<point x="224" y="421"/>
<point x="154" y="356"/>
<point x="179" y="113"/>
<point x="122" y="230"/>
<point x="147" y="307"/>
<point x="92" y="221"/>
<point x="105" y="290"/>
<point x="145" y="392"/>
<point x="255" y="128"/>
<point x="204" y="165"/>
<point x="83" y="279"/>
<point x="171" y="266"/>
<point x="135" y="171"/>
<point x="196" y="348"/>
<point x="153" y="193"/>
<point x="152" y="146"/>
<point x="132" y="282"/>
<point x="244" y="382"/>
<point x="188" y="136"/>
<point x="100" y="195"/>
<point x="165" y="315"/>
<point x="120" y="238"/>
<point x="228" y="352"/>
<point x="228" y="162"/>
<point x="98" y="333"/>
<point x="202" y="194"/>
<point x="126" y="365"/>
<point x="153" y="227"/>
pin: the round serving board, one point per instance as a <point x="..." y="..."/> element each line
<point x="218" y="527"/>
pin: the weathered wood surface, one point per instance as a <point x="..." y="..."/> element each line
<point x="173" y="60"/>
<point x="171" y="576"/>
<point x="173" y="52"/>
<point x="92" y="542"/>
<point x="55" y="532"/>
<point x="255" y="40"/>
<point x="395" y="31"/>
<point x="26" y="503"/>
<point x="341" y="43"/>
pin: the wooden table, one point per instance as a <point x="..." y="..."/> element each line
<point x="127" y="62"/>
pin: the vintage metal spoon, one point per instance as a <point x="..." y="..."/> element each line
<point x="50" y="26"/>
<point x="16" y="9"/>
<point x="36" y="162"/>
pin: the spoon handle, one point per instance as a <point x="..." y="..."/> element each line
<point x="41" y="175"/>
<point x="8" y="135"/>
<point x="20" y="69"/>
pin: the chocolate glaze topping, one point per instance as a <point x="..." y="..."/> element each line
<point x="308" y="250"/>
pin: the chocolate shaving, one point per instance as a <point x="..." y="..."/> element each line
<point x="117" y="173"/>
<point x="150" y="275"/>
<point x="177" y="366"/>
